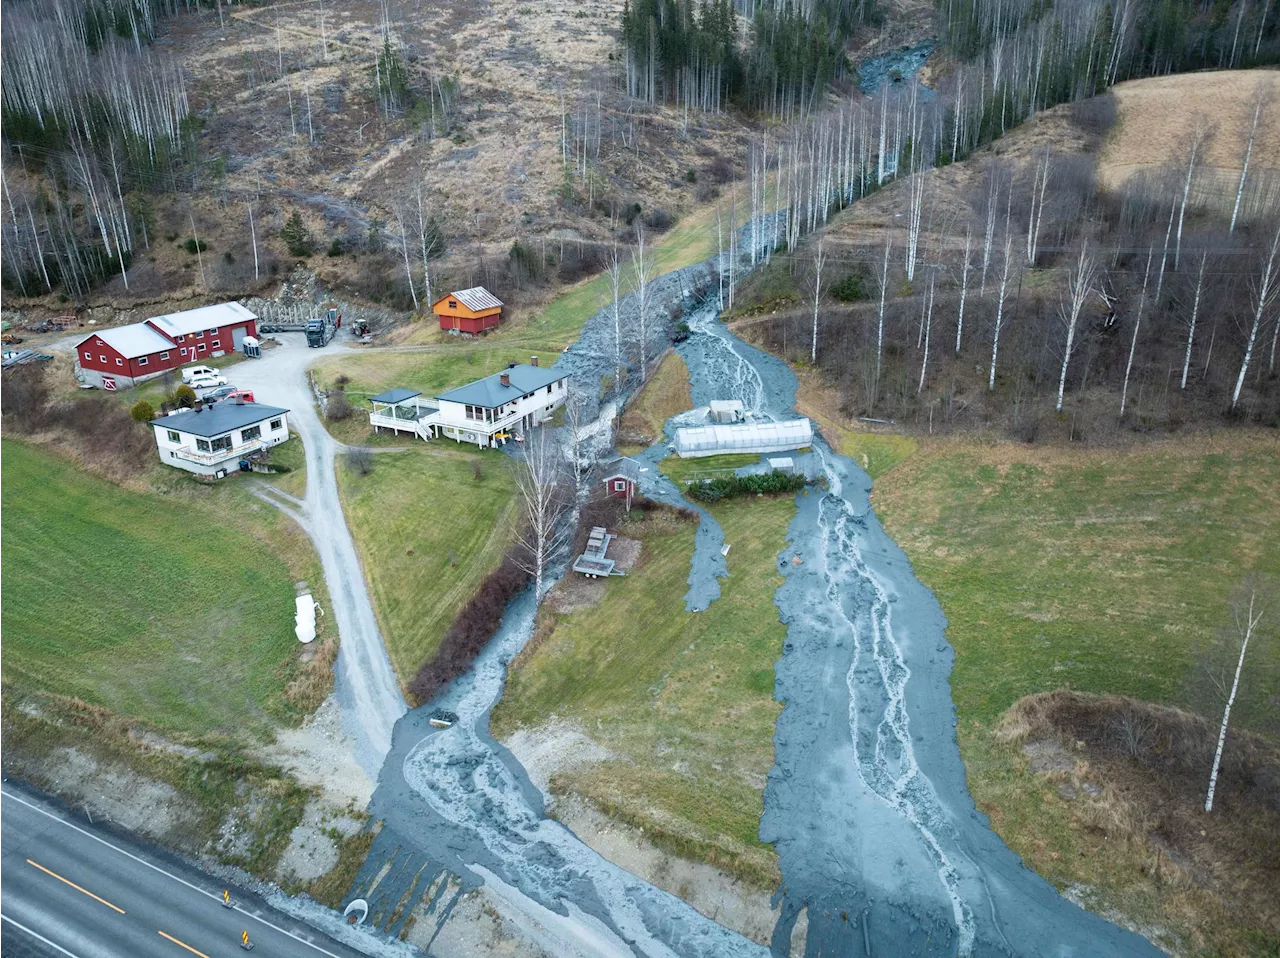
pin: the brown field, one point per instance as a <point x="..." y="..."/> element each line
<point x="1157" y="117"/>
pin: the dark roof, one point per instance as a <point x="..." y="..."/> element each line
<point x="219" y="418"/>
<point x="490" y="393"/>
<point x="399" y="394"/>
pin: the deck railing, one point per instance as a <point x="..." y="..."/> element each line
<point x="220" y="455"/>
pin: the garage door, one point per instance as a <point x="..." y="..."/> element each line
<point x="237" y="336"/>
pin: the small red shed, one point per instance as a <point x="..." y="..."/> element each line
<point x="468" y="310"/>
<point x="622" y="480"/>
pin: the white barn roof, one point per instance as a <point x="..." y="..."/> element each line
<point x="749" y="437"/>
<point x="206" y="317"/>
<point x="132" y="341"/>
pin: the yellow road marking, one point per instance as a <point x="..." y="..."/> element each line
<point x="83" y="891"/>
<point x="183" y="944"/>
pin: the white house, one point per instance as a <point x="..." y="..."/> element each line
<point x="487" y="412"/>
<point x="211" y="440"/>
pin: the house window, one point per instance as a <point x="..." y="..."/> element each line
<point x="203" y="445"/>
<point x="182" y="351"/>
<point x="142" y="361"/>
<point x="88" y="355"/>
<point x="619" y="485"/>
<point x="174" y="437"/>
<point x="215" y="343"/>
<point x="250" y="434"/>
<point x="548" y="390"/>
<point x="277" y="423"/>
<point x="119" y="362"/>
<point x="102" y="359"/>
<point x="453" y="304"/>
<point x="203" y="347"/>
<point x="164" y="356"/>
<point x="475" y="412"/>
<point x="221" y="443"/>
<point x="199" y="334"/>
<point x="179" y="338"/>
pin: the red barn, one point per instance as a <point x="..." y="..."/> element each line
<point x="121" y="357"/>
<point x="468" y="311"/>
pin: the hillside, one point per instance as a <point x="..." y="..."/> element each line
<point x="1158" y="117"/>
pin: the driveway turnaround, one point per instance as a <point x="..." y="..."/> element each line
<point x="69" y="890"/>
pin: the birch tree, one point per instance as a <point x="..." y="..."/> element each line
<point x="1079" y="288"/>
<point x="928" y="327"/>
<point x="1258" y="98"/>
<point x="1039" y="189"/>
<point x="540" y="491"/>
<point x="1191" y="323"/>
<point x="819" y="260"/>
<point x="964" y="286"/>
<point x="642" y="275"/>
<point x="884" y="290"/>
<point x="614" y="269"/>
<point x="1003" y="293"/>
<point x="1264" y="293"/>
<point x="1137" y="325"/>
<point x="253" y="239"/>
<point x="1250" y="610"/>
<point x="1198" y="137"/>
<point x="428" y="244"/>
<point x="404" y="251"/>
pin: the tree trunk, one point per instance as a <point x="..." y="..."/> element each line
<point x="1265" y="293"/>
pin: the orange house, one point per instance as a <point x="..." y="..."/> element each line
<point x="468" y="310"/>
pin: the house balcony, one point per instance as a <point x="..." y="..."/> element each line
<point x="221" y="455"/>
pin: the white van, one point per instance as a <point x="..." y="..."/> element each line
<point x="195" y="372"/>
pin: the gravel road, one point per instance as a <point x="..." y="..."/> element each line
<point x="366" y="685"/>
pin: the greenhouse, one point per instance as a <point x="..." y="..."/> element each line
<point x="694" y="441"/>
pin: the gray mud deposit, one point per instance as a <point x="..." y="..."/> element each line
<point x="880" y="845"/>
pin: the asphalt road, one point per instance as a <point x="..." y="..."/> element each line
<point x="67" y="890"/>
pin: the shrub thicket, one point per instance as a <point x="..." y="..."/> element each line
<point x="727" y="487"/>
<point x="142" y="411"/>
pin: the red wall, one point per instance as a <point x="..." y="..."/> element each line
<point x="95" y="346"/>
<point x="468" y="324"/>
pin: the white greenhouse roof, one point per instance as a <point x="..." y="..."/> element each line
<point x="749" y="437"/>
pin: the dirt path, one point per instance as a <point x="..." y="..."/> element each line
<point x="366" y="685"/>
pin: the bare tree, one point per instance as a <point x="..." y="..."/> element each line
<point x="965" y="269"/>
<point x="253" y="239"/>
<point x="1079" y="288"/>
<point x="1198" y="137"/>
<point x="540" y="488"/>
<point x="884" y="289"/>
<point x="1137" y="325"/>
<point x="404" y="251"/>
<point x="1039" y="188"/>
<point x="819" y="260"/>
<point x="1264" y="293"/>
<point x="1250" y="608"/>
<point x="1004" y="292"/>
<point x="614" y="269"/>
<point x="928" y="328"/>
<point x="1258" y="99"/>
<point x="1195" y="314"/>
<point x="642" y="268"/>
<point x="428" y="244"/>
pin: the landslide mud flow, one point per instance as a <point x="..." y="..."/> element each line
<point x="877" y="836"/>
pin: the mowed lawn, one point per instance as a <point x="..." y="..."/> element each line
<point x="428" y="531"/>
<point x="685" y="700"/>
<point x="1096" y="570"/>
<point x="148" y="607"/>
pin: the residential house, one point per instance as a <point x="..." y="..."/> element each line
<point x="121" y="357"/>
<point x="212" y="439"/>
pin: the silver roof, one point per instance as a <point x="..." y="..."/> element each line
<point x="221" y="417"/>
<point x="476" y="298"/>
<point x="490" y="392"/>
<point x="206" y="317"/>
<point x="132" y="341"/>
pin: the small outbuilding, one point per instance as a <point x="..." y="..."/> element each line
<point x="469" y="311"/>
<point x="622" y="480"/>
<point x="212" y="440"/>
<point x="726" y="411"/>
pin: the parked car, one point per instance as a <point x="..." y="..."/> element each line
<point x="192" y="373"/>
<point x="219" y="394"/>
<point x="207" y="382"/>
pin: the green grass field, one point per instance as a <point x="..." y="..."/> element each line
<point x="663" y="396"/>
<point x="1100" y="571"/>
<point x="682" y="471"/>
<point x="428" y="532"/>
<point x="684" y="699"/>
<point x="148" y="605"/>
